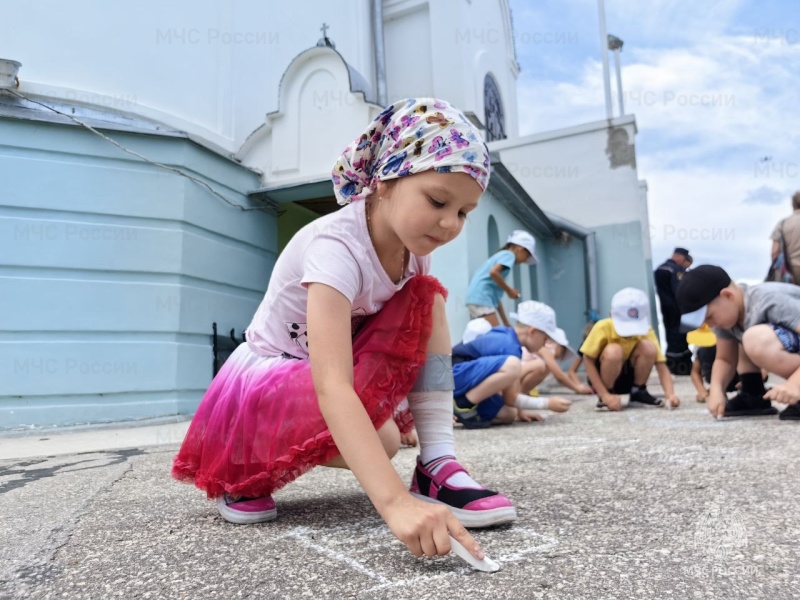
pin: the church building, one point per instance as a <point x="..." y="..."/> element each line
<point x="156" y="160"/>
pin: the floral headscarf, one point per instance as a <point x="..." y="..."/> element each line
<point x="410" y="136"/>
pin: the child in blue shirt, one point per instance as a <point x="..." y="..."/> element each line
<point x="488" y="284"/>
<point x="488" y="370"/>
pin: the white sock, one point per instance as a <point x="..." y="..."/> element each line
<point x="526" y="402"/>
<point x="433" y="418"/>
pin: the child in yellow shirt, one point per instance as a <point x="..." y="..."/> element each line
<point x="620" y="353"/>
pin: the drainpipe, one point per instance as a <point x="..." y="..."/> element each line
<point x="590" y="255"/>
<point x="380" y="51"/>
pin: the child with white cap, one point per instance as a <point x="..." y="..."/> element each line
<point x="536" y="366"/>
<point x="620" y="353"/>
<point x="486" y="288"/>
<point x="488" y="370"/>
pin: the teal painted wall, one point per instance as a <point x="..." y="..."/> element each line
<point x="112" y="272"/>
<point x="558" y="279"/>
<point x="566" y="287"/>
<point x="454" y="264"/>
<point x="621" y="263"/>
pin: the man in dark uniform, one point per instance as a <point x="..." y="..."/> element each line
<point x="667" y="277"/>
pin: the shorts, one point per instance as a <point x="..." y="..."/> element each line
<point x="468" y="374"/>
<point x="624" y="381"/>
<point x="488" y="409"/>
<point x="789" y="338"/>
<point x="476" y="311"/>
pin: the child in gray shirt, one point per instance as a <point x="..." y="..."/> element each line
<point x="757" y="327"/>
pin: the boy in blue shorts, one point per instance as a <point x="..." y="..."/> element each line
<point x="620" y="352"/>
<point x="757" y="327"/>
<point x="488" y="370"/>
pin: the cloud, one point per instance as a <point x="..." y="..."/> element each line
<point x="706" y="212"/>
<point x="713" y="97"/>
<point x="724" y="94"/>
<point x="668" y="21"/>
<point x="765" y="195"/>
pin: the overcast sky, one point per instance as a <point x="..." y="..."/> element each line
<point x="715" y="88"/>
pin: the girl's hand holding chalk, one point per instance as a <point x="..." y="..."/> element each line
<point x="486" y="564"/>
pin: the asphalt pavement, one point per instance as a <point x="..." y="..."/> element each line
<point x="645" y="503"/>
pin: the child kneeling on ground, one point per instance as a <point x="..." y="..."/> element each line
<point x="352" y="325"/>
<point x="620" y="353"/>
<point x="489" y="374"/>
<point x="757" y="328"/>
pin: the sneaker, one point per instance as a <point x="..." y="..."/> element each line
<point x="642" y="396"/>
<point x="474" y="507"/>
<point x="748" y="405"/>
<point x="790" y="413"/>
<point x="244" y="511"/>
<point x="469" y="417"/>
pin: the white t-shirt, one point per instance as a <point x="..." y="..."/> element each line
<point x="335" y="250"/>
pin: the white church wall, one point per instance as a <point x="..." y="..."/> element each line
<point x="301" y="141"/>
<point x="212" y="69"/>
<point x="409" y="54"/>
<point x="206" y="67"/>
<point x="569" y="172"/>
<point x="466" y="46"/>
<point x="434" y="50"/>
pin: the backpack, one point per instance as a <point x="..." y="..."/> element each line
<point x="779" y="270"/>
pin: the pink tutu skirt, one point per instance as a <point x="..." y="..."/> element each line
<point x="259" y="426"/>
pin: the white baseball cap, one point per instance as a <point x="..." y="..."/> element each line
<point x="527" y="241"/>
<point x="475" y="328"/>
<point x="536" y="314"/>
<point x="630" y="312"/>
<point x="560" y="338"/>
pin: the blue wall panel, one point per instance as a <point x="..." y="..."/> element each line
<point x="113" y="270"/>
<point x="567" y="286"/>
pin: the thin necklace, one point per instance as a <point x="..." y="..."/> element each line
<point x="403" y="259"/>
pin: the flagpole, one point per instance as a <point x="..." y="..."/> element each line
<point x="601" y="9"/>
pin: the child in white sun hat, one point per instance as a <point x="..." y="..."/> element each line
<point x="489" y="373"/>
<point x="620" y="353"/>
<point x="488" y="284"/>
<point x="537" y="366"/>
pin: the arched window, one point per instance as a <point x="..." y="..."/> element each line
<point x="493" y="110"/>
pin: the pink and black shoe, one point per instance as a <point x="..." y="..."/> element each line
<point x="474" y="507"/>
<point x="245" y="511"/>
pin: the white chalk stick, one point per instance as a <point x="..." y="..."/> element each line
<point x="487" y="564"/>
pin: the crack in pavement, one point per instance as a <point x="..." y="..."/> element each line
<point x="40" y="568"/>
